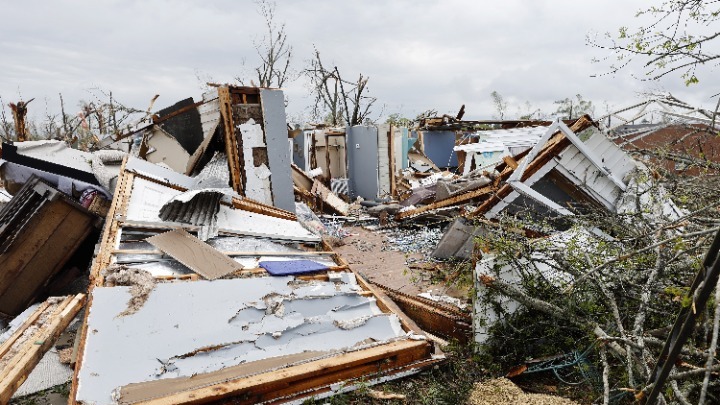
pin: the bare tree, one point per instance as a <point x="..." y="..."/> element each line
<point x="345" y="102"/>
<point x="100" y="117"/>
<point x="500" y="105"/>
<point x="679" y="36"/>
<point x="274" y="51"/>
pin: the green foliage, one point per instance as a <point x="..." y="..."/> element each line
<point x="500" y="105"/>
<point x="675" y="35"/>
<point x="570" y="108"/>
<point x="395" y="119"/>
<point x="447" y="384"/>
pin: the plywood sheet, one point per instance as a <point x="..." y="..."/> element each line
<point x="195" y="254"/>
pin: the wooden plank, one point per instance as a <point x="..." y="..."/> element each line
<point x="305" y="377"/>
<point x="111" y="234"/>
<point x="257" y="207"/>
<point x="329" y="198"/>
<point x="387" y="305"/>
<point x="195" y="254"/>
<point x="49" y="258"/>
<point x="301" y="179"/>
<point x="7" y="345"/>
<point x="447" y="202"/>
<point x="232" y="149"/>
<point x="13" y="377"/>
<point x="144" y="391"/>
<point x="510" y="162"/>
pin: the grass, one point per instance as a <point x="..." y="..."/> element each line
<point x="448" y="383"/>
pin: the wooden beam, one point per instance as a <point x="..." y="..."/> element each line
<point x="303" y="380"/>
<point x="110" y="235"/>
<point x="510" y="162"/>
<point x="8" y="344"/>
<point x="388" y="305"/>
<point x="257" y="207"/>
<point x="232" y="149"/>
<point x="447" y="202"/>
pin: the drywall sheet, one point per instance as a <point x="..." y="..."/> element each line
<point x="148" y="197"/>
<point x="184" y="329"/>
<point x="257" y="176"/>
<point x="276" y="138"/>
<point x="288" y="267"/>
<point x="362" y="161"/>
<point x="195" y="254"/>
<point x="164" y="149"/>
<point x="159" y="173"/>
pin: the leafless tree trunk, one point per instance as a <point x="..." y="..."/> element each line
<point x="274" y="50"/>
<point x="345" y="102"/>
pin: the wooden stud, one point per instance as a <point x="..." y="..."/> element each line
<point x="22" y="364"/>
<point x="232" y="149"/>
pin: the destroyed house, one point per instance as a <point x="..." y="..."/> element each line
<point x="246" y="124"/>
<point x="283" y="319"/>
<point x="357" y="161"/>
<point x="570" y="169"/>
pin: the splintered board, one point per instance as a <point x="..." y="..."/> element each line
<point x="24" y="349"/>
<point x="195" y="254"/>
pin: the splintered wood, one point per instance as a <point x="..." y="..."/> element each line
<point x="329" y="198"/>
<point x="24" y="349"/>
<point x="195" y="254"/>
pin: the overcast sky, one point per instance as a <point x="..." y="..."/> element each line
<point x="419" y="54"/>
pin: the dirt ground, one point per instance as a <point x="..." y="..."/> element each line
<point x="367" y="253"/>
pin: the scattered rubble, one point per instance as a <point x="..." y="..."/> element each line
<point x="238" y="255"/>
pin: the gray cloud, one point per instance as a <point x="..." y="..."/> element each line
<point x="418" y="54"/>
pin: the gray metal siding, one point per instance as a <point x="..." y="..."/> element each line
<point x="363" y="161"/>
<point x="276" y="139"/>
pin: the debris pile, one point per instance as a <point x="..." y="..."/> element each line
<point x="208" y="233"/>
<point x="203" y="278"/>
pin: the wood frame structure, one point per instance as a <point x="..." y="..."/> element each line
<point x="313" y="377"/>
